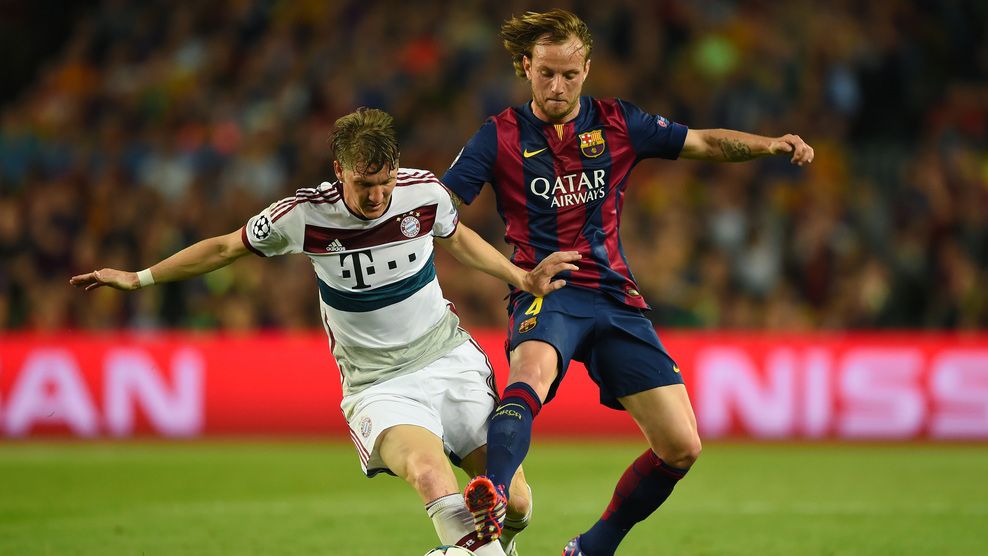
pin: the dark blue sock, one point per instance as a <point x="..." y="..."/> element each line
<point x="644" y="486"/>
<point x="510" y="432"/>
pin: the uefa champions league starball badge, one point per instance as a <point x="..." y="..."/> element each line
<point x="262" y="227"/>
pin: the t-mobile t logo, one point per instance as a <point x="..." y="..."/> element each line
<point x="358" y="271"/>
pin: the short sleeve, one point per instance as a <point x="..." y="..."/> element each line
<point x="474" y="166"/>
<point x="447" y="217"/>
<point x="277" y="230"/>
<point x="653" y="136"/>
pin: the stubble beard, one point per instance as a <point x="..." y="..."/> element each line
<point x="557" y="116"/>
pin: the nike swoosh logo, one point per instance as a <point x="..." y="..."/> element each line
<point x="530" y="154"/>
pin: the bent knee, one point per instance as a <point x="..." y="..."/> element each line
<point x="538" y="377"/>
<point x="429" y="474"/>
<point x="682" y="454"/>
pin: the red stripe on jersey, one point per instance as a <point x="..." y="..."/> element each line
<point x="251" y="248"/>
<point x="508" y="171"/>
<point x="622" y="160"/>
<point x="319" y="240"/>
<point x="571" y="220"/>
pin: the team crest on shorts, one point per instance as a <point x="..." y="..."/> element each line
<point x="410" y="225"/>
<point x="365" y="427"/>
<point x="527" y="325"/>
<point x="592" y="143"/>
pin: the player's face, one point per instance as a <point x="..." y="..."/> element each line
<point x="557" y="73"/>
<point x="367" y="194"/>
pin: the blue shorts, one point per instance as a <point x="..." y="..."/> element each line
<point x="616" y="342"/>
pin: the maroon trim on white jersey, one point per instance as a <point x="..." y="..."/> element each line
<point x="310" y="195"/>
<point x="456" y="224"/>
<point x="406" y="174"/>
<point x="251" y="248"/>
<point x="319" y="239"/>
<point x="417" y="181"/>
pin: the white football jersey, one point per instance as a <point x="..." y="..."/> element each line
<point x="377" y="282"/>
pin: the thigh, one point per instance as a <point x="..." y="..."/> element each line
<point x="544" y="335"/>
<point x="404" y="445"/>
<point x="416" y="455"/>
<point x="404" y="400"/>
<point x="465" y="394"/>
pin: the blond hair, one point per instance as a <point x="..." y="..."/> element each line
<point x="521" y="33"/>
<point x="365" y="141"/>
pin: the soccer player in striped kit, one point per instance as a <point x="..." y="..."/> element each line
<point x="417" y="389"/>
<point x="559" y="165"/>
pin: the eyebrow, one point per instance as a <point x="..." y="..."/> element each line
<point x="363" y="181"/>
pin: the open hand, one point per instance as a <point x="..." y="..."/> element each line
<point x="119" y="279"/>
<point x="790" y="143"/>
<point x="539" y="281"/>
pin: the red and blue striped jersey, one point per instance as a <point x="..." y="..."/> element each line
<point x="566" y="193"/>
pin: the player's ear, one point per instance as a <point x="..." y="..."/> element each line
<point x="338" y="169"/>
<point x="526" y="64"/>
<point x="586" y="68"/>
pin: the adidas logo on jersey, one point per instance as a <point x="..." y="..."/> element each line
<point x="335" y="246"/>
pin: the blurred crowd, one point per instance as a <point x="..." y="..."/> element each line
<point x="160" y="123"/>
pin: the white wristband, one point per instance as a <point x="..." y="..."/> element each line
<point x="145" y="278"/>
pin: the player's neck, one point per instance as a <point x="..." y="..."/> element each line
<point x="558" y="121"/>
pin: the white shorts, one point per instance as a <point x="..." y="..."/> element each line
<point x="452" y="397"/>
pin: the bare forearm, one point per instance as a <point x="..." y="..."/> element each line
<point x="728" y="145"/>
<point x="471" y="250"/>
<point x="200" y="258"/>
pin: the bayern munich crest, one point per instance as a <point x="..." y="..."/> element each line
<point x="365" y="427"/>
<point x="410" y="226"/>
<point x="592" y="143"/>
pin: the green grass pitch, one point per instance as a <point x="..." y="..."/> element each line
<point x="145" y="499"/>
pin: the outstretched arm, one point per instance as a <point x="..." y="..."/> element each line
<point x="726" y="145"/>
<point x="200" y="258"/>
<point x="471" y="250"/>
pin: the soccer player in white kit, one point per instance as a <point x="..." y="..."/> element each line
<point x="417" y="389"/>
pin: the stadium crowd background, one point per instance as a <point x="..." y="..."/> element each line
<point x="157" y="123"/>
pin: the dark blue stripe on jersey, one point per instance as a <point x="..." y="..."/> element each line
<point x="610" y="276"/>
<point x="592" y="232"/>
<point x="372" y="300"/>
<point x="542" y="224"/>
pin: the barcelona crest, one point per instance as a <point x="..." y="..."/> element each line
<point x="527" y="325"/>
<point x="592" y="143"/>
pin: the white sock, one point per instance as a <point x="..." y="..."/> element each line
<point x="513" y="526"/>
<point x="454" y="525"/>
